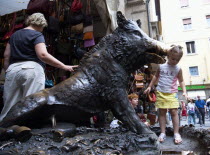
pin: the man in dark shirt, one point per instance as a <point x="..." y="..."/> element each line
<point x="201" y="105"/>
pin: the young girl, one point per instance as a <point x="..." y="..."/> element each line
<point x="167" y="76"/>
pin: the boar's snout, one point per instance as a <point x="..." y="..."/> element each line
<point x="157" y="51"/>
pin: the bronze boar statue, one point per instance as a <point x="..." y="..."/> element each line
<point x="98" y="85"/>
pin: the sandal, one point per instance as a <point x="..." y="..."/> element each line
<point x="177" y="139"/>
<point x="162" y="137"/>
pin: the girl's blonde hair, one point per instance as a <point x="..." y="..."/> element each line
<point x="176" y="49"/>
<point x="36" y="19"/>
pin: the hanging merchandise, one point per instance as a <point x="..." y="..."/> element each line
<point x="4" y="26"/>
<point x="77" y="29"/>
<point x="64" y="47"/>
<point x="89" y="43"/>
<point x="88" y="17"/>
<point x="78" y="51"/>
<point x="18" y="26"/>
<point x="53" y="24"/>
<point x="139" y="80"/>
<point x="88" y="29"/>
<point x="49" y="79"/>
<point x="11" y="31"/>
<point x="88" y="35"/>
<point x="43" y="6"/>
<point x="76" y="6"/>
<point x="76" y="18"/>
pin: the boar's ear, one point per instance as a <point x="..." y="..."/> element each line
<point x="139" y="22"/>
<point x="121" y="21"/>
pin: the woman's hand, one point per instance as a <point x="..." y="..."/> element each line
<point x="70" y="68"/>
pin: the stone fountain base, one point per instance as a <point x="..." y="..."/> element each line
<point x="86" y="141"/>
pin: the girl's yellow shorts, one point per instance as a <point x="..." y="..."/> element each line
<point x="166" y="100"/>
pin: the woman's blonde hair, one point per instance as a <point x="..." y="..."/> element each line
<point x="36" y="19"/>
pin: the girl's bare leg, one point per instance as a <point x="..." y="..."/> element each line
<point x="162" y="120"/>
<point x="175" y="119"/>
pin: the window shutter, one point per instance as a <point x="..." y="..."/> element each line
<point x="187" y="21"/>
<point x="208" y="16"/>
<point x="184" y="3"/>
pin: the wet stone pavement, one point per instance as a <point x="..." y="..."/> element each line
<point x="95" y="141"/>
<point x="190" y="143"/>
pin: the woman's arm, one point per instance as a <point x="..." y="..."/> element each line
<point x="7" y="54"/>
<point x="47" y="58"/>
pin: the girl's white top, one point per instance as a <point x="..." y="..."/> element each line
<point x="168" y="78"/>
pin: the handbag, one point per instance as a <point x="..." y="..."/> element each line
<point x="18" y="26"/>
<point x="77" y="28"/>
<point x="79" y="52"/>
<point x="88" y="35"/>
<point x="49" y="82"/>
<point x="88" y="29"/>
<point x="139" y="77"/>
<point x="64" y="47"/>
<point x="89" y="43"/>
<point x="43" y="6"/>
<point x="76" y="6"/>
<point x="76" y="18"/>
<point x="53" y="25"/>
<point x="88" y="17"/>
<point x="12" y="30"/>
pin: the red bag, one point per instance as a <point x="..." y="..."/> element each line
<point x="8" y="34"/>
<point x="76" y="6"/>
<point x="18" y="26"/>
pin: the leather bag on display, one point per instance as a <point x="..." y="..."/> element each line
<point x="76" y="18"/>
<point x="88" y="35"/>
<point x="77" y="28"/>
<point x="53" y="25"/>
<point x="89" y="43"/>
<point x="76" y="6"/>
<point x="88" y="29"/>
<point x="64" y="47"/>
<point x="43" y="6"/>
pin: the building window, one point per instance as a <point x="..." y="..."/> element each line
<point x="194" y="70"/>
<point x="206" y="1"/>
<point x="190" y="47"/>
<point x="187" y="23"/>
<point x="208" y="20"/>
<point x="184" y="3"/>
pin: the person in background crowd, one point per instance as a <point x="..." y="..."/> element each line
<point x="208" y="107"/>
<point x="24" y="62"/>
<point x="191" y="112"/>
<point x="184" y="109"/>
<point x="201" y="105"/>
<point x="167" y="76"/>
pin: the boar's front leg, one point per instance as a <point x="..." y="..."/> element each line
<point x="123" y="110"/>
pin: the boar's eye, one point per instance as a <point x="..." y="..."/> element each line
<point x="138" y="33"/>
